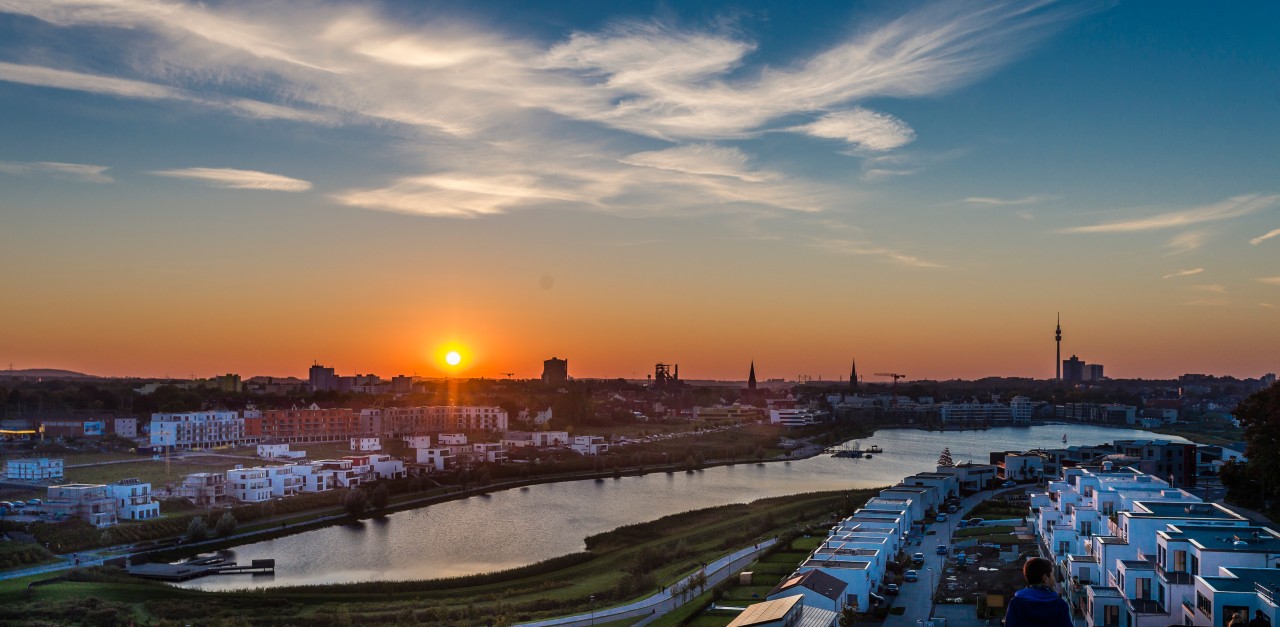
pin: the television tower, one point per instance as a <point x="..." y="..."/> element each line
<point x="1057" y="364"/>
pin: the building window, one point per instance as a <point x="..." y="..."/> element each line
<point x="1204" y="605"/>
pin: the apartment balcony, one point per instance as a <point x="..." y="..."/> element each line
<point x="1173" y="577"/>
<point x="1145" y="606"/>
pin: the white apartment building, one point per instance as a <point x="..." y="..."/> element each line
<point x="417" y="441"/>
<point x="33" y="469"/>
<point x="204" y="488"/>
<point x="366" y="443"/>
<point x="91" y="503"/>
<point x="1128" y="546"/>
<point x="1021" y="409"/>
<point x="248" y="485"/>
<point x="437" y="459"/>
<point x="453" y="439"/>
<point x="1234" y="590"/>
<point x="276" y="449"/>
<point x="198" y="430"/>
<point x="490" y="452"/>
<point x="284" y="481"/>
<point x="133" y="500"/>
<point x="792" y="417"/>
<point x="589" y="445"/>
<point x="315" y="477"/>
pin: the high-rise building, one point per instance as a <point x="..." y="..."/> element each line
<point x="1093" y="372"/>
<point x="1073" y="371"/>
<point x="555" y="371"/>
<point x="322" y="379"/>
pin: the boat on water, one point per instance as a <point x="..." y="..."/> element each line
<point x="875" y="449"/>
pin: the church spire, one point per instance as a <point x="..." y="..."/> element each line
<point x="751" y="378"/>
<point x="853" y="376"/>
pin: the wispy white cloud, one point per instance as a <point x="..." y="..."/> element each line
<point x="864" y="248"/>
<point x="1267" y="305"/>
<point x="862" y="128"/>
<point x="698" y="159"/>
<point x="78" y="172"/>
<point x="1185" y="242"/>
<point x="1233" y="207"/>
<point x="476" y="109"/>
<point x="1006" y="202"/>
<point x="1264" y="237"/>
<point x="1271" y="280"/>
<point x="125" y="88"/>
<point x="1182" y="273"/>
<point x="1207" y="302"/>
<point x="1214" y="288"/>
<point x="238" y="179"/>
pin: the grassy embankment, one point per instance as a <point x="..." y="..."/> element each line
<point x="627" y="563"/>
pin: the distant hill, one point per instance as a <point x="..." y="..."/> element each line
<point x="44" y="373"/>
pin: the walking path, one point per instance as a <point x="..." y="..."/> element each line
<point x="655" y="606"/>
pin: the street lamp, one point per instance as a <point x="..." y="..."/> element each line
<point x="592" y="605"/>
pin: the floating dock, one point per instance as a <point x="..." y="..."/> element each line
<point x="202" y="567"/>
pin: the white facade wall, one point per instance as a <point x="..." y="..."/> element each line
<point x="133" y="500"/>
<point x="366" y="444"/>
<point x="248" y="485"/>
<point x="34" y="469"/>
<point x="589" y="445"/>
<point x="437" y="459"/>
<point x="197" y="430"/>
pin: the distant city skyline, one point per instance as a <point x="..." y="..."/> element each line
<point x="250" y="187"/>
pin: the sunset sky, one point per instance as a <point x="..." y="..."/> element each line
<point x="250" y="187"/>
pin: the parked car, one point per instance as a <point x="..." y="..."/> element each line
<point x="942" y="549"/>
<point x="951" y="509"/>
<point x="1009" y="484"/>
<point x="941" y="518"/>
<point x="976" y="522"/>
<point x="917" y="559"/>
<point x="35" y="502"/>
<point x="911" y="575"/>
<point x="891" y="588"/>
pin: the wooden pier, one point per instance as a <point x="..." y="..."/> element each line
<point x="202" y="567"/>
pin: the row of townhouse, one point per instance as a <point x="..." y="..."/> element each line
<point x="849" y="567"/>
<point x="451" y="449"/>
<point x="1134" y="551"/>
<point x="263" y="483"/>
<point x="102" y="505"/>
<point x="213" y="429"/>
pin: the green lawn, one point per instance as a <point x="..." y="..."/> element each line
<point x="972" y="532"/>
<point x="392" y="602"/>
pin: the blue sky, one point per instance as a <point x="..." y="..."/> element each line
<point x="972" y="168"/>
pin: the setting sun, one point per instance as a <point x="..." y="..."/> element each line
<point x="453" y="358"/>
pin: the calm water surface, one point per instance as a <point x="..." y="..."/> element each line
<point x="521" y="526"/>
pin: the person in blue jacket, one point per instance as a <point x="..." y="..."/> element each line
<point x="1038" y="603"/>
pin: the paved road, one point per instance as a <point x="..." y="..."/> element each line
<point x="655" y="606"/>
<point x="917" y="597"/>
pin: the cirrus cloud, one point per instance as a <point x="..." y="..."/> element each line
<point x="77" y="172"/>
<point x="229" y="178"/>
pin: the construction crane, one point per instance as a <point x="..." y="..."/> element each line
<point x="894" y="389"/>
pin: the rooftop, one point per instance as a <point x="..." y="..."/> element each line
<point x="1138" y="565"/>
<point x="814" y="580"/>
<point x="832" y="562"/>
<point x="1176" y="509"/>
<point x="766" y="612"/>
<point x="1245" y="580"/>
<point x="1250" y="539"/>
<point x="1105" y="591"/>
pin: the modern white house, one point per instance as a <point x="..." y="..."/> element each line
<point x="204" y="488"/>
<point x="275" y="449"/>
<point x="437" y="459"/>
<point x="133" y="500"/>
<point x="817" y="587"/>
<point x="283" y="481"/>
<point x="248" y="485"/>
<point x="589" y="445"/>
<point x="1234" y="590"/>
<point x="417" y="441"/>
<point x="91" y="503"/>
<point x="489" y="452"/>
<point x="453" y="439"/>
<point x="33" y="469"/>
<point x="366" y="443"/>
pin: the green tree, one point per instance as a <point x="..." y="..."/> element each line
<point x="354" y="502"/>
<point x="945" y="458"/>
<point x="226" y="525"/>
<point x="197" y="530"/>
<point x="1259" y="483"/>
<point x="380" y="497"/>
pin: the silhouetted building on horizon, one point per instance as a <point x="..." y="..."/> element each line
<point x="751" y="377"/>
<point x="322" y="379"/>
<point x="1057" y="366"/>
<point x="1072" y="371"/>
<point x="555" y="371"/>
<point x="853" y="376"/>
